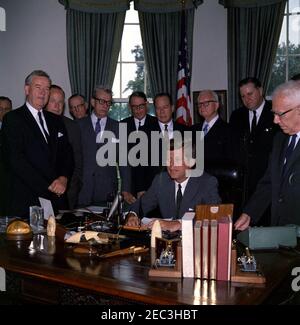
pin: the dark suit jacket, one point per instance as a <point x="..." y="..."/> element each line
<point x="138" y="181"/>
<point x="99" y="182"/>
<point x="33" y="163"/>
<point x="281" y="191"/>
<point x="252" y="152"/>
<point x="75" y="183"/>
<point x="199" y="190"/>
<point x="216" y="143"/>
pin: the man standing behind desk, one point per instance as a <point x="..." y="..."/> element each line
<point x="56" y="105"/>
<point x="36" y="150"/>
<point x="100" y="181"/>
<point x="280" y="185"/>
<point x="252" y="131"/>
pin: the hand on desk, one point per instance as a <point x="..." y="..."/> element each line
<point x="133" y="220"/>
<point x="242" y="222"/>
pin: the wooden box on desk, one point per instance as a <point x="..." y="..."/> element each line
<point x="213" y="211"/>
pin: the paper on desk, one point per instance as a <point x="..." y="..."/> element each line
<point x="47" y="206"/>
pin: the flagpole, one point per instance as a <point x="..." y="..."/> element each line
<point x="183" y="100"/>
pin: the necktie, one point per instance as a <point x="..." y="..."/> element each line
<point x="178" y="201"/>
<point x="139" y="126"/>
<point x="205" y="129"/>
<point x="98" y="126"/>
<point x="253" y="122"/>
<point x="166" y="132"/>
<point x="43" y="126"/>
<point x="289" y="150"/>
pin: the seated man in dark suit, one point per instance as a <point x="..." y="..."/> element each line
<point x="280" y="185"/>
<point x="37" y="153"/>
<point x="139" y="120"/>
<point x="175" y="192"/>
<point x="216" y="131"/>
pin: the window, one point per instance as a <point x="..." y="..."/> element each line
<point x="130" y="73"/>
<point x="287" y="62"/>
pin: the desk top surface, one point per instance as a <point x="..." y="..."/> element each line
<point x="127" y="277"/>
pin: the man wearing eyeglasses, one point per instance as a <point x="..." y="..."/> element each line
<point x="252" y="130"/>
<point x="216" y="131"/>
<point x="280" y="186"/>
<point x="139" y="120"/>
<point x="100" y="181"/>
<point x="77" y="106"/>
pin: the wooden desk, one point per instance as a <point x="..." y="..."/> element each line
<point x="62" y="278"/>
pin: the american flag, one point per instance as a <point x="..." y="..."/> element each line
<point x="183" y="103"/>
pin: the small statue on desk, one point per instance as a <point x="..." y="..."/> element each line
<point x="167" y="257"/>
<point x="51" y="226"/>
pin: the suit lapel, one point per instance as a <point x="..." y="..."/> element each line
<point x="33" y="125"/>
<point x="189" y="193"/>
<point x="295" y="155"/>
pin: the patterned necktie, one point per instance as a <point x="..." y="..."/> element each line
<point x="43" y="126"/>
<point x="178" y="201"/>
<point x="98" y="126"/>
<point x="253" y="122"/>
<point x="289" y="151"/>
<point x="205" y="129"/>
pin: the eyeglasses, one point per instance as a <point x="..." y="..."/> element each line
<point x="102" y="101"/>
<point x="283" y="113"/>
<point x="138" y="107"/>
<point x="77" y="107"/>
<point x="205" y="104"/>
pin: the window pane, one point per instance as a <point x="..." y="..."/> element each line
<point x="294" y="66"/>
<point x="278" y="73"/>
<point x="132" y="79"/>
<point x="282" y="38"/>
<point x="119" y="111"/>
<point x="116" y="86"/>
<point x="294" y="5"/>
<point x="131" y="38"/>
<point x="294" y="37"/>
<point x="131" y="15"/>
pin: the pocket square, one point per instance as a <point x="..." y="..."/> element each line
<point x="60" y="134"/>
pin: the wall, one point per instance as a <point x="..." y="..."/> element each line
<point x="35" y="38"/>
<point x="210" y="47"/>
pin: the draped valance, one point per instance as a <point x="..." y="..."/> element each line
<point x="159" y="6"/>
<point x="112" y="6"/>
<point x="248" y="3"/>
<point x="97" y="6"/>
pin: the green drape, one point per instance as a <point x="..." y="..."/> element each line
<point x="93" y="45"/>
<point x="161" y="40"/>
<point x="253" y="35"/>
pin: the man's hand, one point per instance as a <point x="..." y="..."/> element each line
<point x="140" y="194"/>
<point x="59" y="185"/>
<point x="171" y="225"/>
<point x="242" y="222"/>
<point x="132" y="220"/>
<point x="128" y="197"/>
